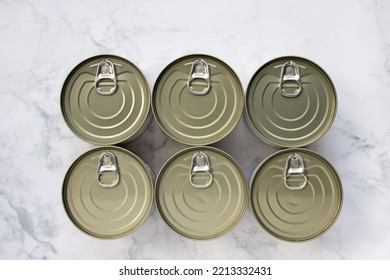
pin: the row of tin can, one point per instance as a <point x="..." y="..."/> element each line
<point x="198" y="100"/>
<point x="201" y="192"/>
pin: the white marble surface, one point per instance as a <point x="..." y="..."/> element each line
<point x="41" y="41"/>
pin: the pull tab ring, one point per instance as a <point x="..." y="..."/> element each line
<point x="295" y="165"/>
<point x="290" y="73"/>
<point x="200" y="163"/>
<point x="107" y="164"/>
<point x="199" y="71"/>
<point x="105" y="71"/>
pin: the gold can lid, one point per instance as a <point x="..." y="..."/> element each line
<point x="290" y="102"/>
<point x="201" y="192"/>
<point x="105" y="100"/>
<point x="296" y="194"/>
<point x="108" y="192"/>
<point x="197" y="100"/>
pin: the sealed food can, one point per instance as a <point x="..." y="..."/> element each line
<point x="108" y="192"/>
<point x="296" y="195"/>
<point x="201" y="192"/>
<point x="197" y="100"/>
<point x="290" y="102"/>
<point x="105" y="100"/>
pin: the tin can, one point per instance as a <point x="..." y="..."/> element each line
<point x="296" y="194"/>
<point x="290" y="102"/>
<point x="108" y="192"/>
<point x="105" y="100"/>
<point x="197" y="100"/>
<point x="201" y="192"/>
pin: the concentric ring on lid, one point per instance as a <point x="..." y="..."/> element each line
<point x="105" y="100"/>
<point x="299" y="200"/>
<point x="197" y="100"/>
<point x="108" y="192"/>
<point x="201" y="192"/>
<point x="290" y="102"/>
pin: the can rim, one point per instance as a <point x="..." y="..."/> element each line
<point x="255" y="173"/>
<point x="65" y="184"/>
<point x="65" y="117"/>
<point x="158" y="80"/>
<point x="269" y="141"/>
<point x="210" y="148"/>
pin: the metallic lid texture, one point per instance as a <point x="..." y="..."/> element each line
<point x="296" y="194"/>
<point x="197" y="100"/>
<point x="105" y="100"/>
<point x="290" y="102"/>
<point x="108" y="192"/>
<point x="201" y="192"/>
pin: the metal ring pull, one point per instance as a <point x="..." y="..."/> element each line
<point x="107" y="164"/>
<point x="295" y="165"/>
<point x="290" y="73"/>
<point x="199" y="70"/>
<point x="105" y="71"/>
<point x="200" y="163"/>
